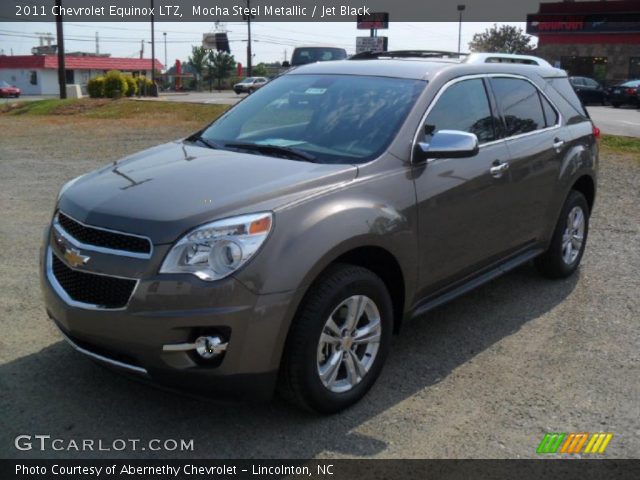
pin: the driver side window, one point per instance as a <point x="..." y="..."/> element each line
<point x="463" y="106"/>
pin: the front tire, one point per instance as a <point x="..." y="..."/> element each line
<point x="569" y="239"/>
<point x="339" y="340"/>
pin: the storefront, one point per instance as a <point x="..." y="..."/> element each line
<point x="597" y="39"/>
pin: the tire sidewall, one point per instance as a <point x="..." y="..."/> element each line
<point x="575" y="199"/>
<point x="318" y="396"/>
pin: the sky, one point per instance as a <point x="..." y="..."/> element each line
<point x="271" y="41"/>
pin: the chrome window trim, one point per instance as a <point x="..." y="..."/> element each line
<point x="94" y="248"/>
<point x="482" y="76"/>
<point x="102" y="358"/>
<point x="62" y="293"/>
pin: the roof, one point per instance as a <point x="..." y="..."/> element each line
<point x="77" y="63"/>
<point x="419" y="69"/>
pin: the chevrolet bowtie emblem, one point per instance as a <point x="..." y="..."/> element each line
<point x="75" y="258"/>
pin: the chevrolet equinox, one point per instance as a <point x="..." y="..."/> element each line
<point x="282" y="246"/>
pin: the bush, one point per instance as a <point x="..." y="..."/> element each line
<point x="115" y="84"/>
<point x="132" y="86"/>
<point x="95" y="87"/>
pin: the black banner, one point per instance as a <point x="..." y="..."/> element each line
<point x="321" y="469"/>
<point x="265" y="10"/>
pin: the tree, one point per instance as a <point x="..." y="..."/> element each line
<point x="503" y="39"/>
<point x="221" y="64"/>
<point x="260" y="70"/>
<point x="198" y="62"/>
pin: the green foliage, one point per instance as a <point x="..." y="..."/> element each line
<point x="221" y="65"/>
<point x="115" y="85"/>
<point x="198" y="61"/>
<point x="95" y="87"/>
<point x="260" y="70"/>
<point x="503" y="39"/>
<point x="132" y="86"/>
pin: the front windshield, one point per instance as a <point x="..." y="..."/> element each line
<point x="4" y="84"/>
<point x="334" y="118"/>
<point x="247" y="80"/>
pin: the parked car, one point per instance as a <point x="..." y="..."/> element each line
<point x="249" y="85"/>
<point x="8" y="90"/>
<point x="589" y="90"/>
<point x="624" y="93"/>
<point x="305" y="55"/>
<point x="284" y="243"/>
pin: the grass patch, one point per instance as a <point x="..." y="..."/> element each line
<point x="618" y="144"/>
<point x="117" y="109"/>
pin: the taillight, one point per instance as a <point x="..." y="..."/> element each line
<point x="596" y="132"/>
<point x="631" y="91"/>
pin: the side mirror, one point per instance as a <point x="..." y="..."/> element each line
<point x="447" y="144"/>
<point x="286" y="64"/>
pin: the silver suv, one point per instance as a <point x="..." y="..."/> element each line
<point x="286" y="242"/>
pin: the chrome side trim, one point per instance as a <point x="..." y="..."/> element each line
<point x="103" y="359"/>
<point x="109" y="251"/>
<point x="61" y="292"/>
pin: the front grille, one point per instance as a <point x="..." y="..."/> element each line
<point x="103" y="238"/>
<point x="98" y="290"/>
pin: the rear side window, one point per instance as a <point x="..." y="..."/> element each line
<point x="463" y="106"/>
<point x="520" y="104"/>
<point x="550" y="114"/>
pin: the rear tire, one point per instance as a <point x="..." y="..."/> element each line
<point x="339" y="340"/>
<point x="569" y="239"/>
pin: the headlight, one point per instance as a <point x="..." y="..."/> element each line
<point x="216" y="250"/>
<point x="66" y="186"/>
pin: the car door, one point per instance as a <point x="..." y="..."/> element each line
<point x="461" y="204"/>
<point x="536" y="145"/>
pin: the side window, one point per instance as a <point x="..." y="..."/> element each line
<point x="591" y="83"/>
<point x="521" y="105"/>
<point x="33" y="77"/>
<point x="463" y="106"/>
<point x="550" y="114"/>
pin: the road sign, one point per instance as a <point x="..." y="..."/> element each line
<point x="371" y="44"/>
<point x="373" y="21"/>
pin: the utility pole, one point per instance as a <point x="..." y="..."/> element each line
<point x="460" y="10"/>
<point x="153" y="48"/>
<point x="97" y="44"/>
<point x="141" y="49"/>
<point x="249" y="59"/>
<point x="62" y="80"/>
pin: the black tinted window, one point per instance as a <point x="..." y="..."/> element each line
<point x="463" y="106"/>
<point x="550" y="114"/>
<point x="521" y="105"/>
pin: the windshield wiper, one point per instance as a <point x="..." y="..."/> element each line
<point x="208" y="143"/>
<point x="275" y="150"/>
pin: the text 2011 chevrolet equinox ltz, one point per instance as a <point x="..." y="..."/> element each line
<point x="285" y="243"/>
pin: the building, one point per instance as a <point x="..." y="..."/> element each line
<point x="598" y="39"/>
<point x="38" y="74"/>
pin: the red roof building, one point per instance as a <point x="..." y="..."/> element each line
<point x="37" y="74"/>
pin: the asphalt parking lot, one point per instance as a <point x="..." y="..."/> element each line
<point x="483" y="377"/>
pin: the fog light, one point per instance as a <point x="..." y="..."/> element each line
<point x="209" y="346"/>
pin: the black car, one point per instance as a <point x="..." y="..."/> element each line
<point x="589" y="90"/>
<point x="624" y="93"/>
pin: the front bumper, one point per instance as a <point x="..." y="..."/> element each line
<point x="175" y="309"/>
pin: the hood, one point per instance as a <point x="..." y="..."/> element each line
<point x="169" y="189"/>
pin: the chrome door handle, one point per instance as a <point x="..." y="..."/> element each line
<point x="499" y="168"/>
<point x="558" y="144"/>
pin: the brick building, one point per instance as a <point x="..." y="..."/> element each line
<point x="598" y="39"/>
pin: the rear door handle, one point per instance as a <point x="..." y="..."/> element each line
<point x="558" y="144"/>
<point x="498" y="169"/>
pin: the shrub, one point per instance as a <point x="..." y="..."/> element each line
<point x="115" y="84"/>
<point x="95" y="87"/>
<point x="132" y="86"/>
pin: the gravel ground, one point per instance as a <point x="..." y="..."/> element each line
<point x="483" y="377"/>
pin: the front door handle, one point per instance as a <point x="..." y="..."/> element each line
<point x="498" y="168"/>
<point x="558" y="144"/>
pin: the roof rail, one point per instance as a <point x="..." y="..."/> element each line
<point x="476" y="58"/>
<point x="407" y="54"/>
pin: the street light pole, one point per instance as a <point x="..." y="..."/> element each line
<point x="249" y="38"/>
<point x="153" y="48"/>
<point x="460" y="10"/>
<point x="165" y="50"/>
